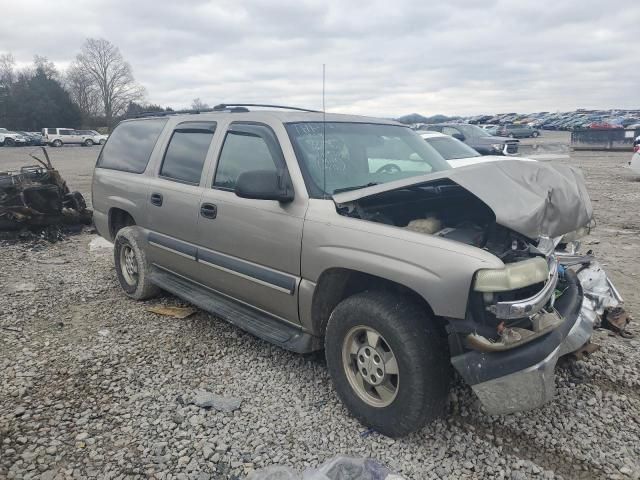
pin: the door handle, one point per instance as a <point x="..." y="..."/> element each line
<point x="208" y="210"/>
<point x="156" y="199"/>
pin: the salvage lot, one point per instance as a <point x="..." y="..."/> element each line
<point x="94" y="385"/>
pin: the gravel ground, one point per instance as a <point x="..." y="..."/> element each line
<point x="94" y="385"/>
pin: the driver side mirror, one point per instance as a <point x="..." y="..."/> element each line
<point x="458" y="136"/>
<point x="264" y="185"/>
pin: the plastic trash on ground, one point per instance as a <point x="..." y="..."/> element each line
<point x="339" y="467"/>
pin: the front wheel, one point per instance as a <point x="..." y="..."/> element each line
<point x="388" y="361"/>
<point x="9" y="142"/>
<point x="132" y="267"/>
<point x="88" y="143"/>
<point x="535" y="134"/>
<point x="57" y="143"/>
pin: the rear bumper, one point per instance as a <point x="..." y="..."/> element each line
<point x="523" y="378"/>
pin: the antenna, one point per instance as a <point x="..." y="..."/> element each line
<point x="324" y="136"/>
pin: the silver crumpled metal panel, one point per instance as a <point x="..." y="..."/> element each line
<point x="532" y="198"/>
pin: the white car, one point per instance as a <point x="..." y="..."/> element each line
<point x="95" y="137"/>
<point x="459" y="154"/>
<point x="11" y="139"/>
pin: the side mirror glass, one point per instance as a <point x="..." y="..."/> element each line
<point x="264" y="185"/>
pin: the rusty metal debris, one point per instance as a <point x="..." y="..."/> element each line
<point x="37" y="197"/>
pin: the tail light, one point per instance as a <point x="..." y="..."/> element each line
<point x="636" y="148"/>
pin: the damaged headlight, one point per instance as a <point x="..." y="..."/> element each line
<point x="513" y="276"/>
<point x="576" y="235"/>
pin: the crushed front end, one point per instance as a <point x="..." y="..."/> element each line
<point x="520" y="320"/>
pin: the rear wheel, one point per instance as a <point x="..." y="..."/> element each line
<point x="388" y="361"/>
<point x="132" y="267"/>
<point x="535" y="134"/>
<point x="57" y="143"/>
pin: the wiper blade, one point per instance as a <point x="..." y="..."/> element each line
<point x="356" y="187"/>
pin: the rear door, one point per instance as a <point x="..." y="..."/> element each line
<point x="251" y="247"/>
<point x="174" y="197"/>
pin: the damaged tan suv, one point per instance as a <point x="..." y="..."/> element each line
<point x="353" y="235"/>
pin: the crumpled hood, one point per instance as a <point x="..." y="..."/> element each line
<point x="531" y="198"/>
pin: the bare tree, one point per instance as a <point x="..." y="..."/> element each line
<point x="7" y="66"/>
<point x="84" y="91"/>
<point x="198" y="104"/>
<point x="102" y="61"/>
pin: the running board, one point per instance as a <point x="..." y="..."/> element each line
<point x="254" y="321"/>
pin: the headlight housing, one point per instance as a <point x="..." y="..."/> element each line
<point x="498" y="146"/>
<point x="513" y="276"/>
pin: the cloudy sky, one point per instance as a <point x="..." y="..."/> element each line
<point x="383" y="58"/>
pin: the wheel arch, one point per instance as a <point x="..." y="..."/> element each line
<point x="118" y="219"/>
<point x="335" y="284"/>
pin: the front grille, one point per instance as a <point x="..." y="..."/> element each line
<point x="512" y="148"/>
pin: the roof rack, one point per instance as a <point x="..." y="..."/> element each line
<point x="228" y="106"/>
<point x="223" y="107"/>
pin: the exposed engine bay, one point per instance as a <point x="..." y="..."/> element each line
<point x="444" y="209"/>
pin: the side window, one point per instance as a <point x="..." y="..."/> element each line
<point x="450" y="130"/>
<point x="66" y="132"/>
<point x="130" y="145"/>
<point x="187" y="151"/>
<point x="246" y="147"/>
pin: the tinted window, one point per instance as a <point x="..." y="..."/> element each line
<point x="130" y="145"/>
<point x="65" y="132"/>
<point x="187" y="151"/>
<point x="247" y="147"/>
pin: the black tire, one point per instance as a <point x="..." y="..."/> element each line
<point x="88" y="143"/>
<point x="535" y="134"/>
<point x="76" y="201"/>
<point x="56" y="143"/>
<point x="9" y="142"/>
<point x="424" y="371"/>
<point x="102" y="141"/>
<point x="137" y="287"/>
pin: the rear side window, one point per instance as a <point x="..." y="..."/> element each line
<point x="246" y="147"/>
<point x="130" y="145"/>
<point x="187" y="151"/>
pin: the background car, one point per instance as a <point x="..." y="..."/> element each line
<point x="517" y="131"/>
<point x="33" y="138"/>
<point x="95" y="137"/>
<point x="11" y="139"/>
<point x="478" y="139"/>
<point x="459" y="154"/>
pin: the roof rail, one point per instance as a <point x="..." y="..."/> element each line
<point x="223" y="107"/>
<point x="178" y="112"/>
<point x="230" y="106"/>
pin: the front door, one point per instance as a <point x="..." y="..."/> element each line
<point x="251" y="247"/>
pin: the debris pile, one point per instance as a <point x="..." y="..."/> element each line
<point x="36" y="200"/>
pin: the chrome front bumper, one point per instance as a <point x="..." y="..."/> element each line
<point x="534" y="386"/>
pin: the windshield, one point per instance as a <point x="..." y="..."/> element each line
<point x="451" y="148"/>
<point x="358" y="155"/>
<point x="473" y="131"/>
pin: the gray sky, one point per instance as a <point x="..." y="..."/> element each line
<point x="384" y="58"/>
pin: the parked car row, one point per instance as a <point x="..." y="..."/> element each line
<point x="56" y="137"/>
<point x="578" y="119"/>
